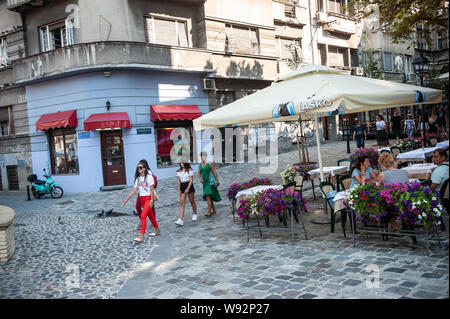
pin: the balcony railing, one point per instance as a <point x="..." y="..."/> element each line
<point x="19" y="5"/>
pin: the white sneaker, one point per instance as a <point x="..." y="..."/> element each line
<point x="179" y="222"/>
<point x="194" y="216"/>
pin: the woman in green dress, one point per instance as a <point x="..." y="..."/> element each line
<point x="210" y="193"/>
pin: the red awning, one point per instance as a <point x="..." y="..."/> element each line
<point x="57" y="120"/>
<point x="174" y="112"/>
<point x="107" y="121"/>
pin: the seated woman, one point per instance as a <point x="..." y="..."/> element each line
<point x="362" y="172"/>
<point x="391" y="175"/>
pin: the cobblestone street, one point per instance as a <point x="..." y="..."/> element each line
<point x="210" y="257"/>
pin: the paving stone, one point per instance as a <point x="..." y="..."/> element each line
<point x="249" y="284"/>
<point x="431" y="275"/>
<point x="409" y="284"/>
<point x="352" y="282"/>
<point x="399" y="291"/>
<point x="396" y="270"/>
<point x="425" y="294"/>
<point x="284" y="277"/>
<point x="274" y="297"/>
<point x="263" y="287"/>
<point x="307" y="296"/>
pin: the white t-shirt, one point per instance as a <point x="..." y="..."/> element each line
<point x="143" y="184"/>
<point x="184" y="176"/>
<point x="380" y="125"/>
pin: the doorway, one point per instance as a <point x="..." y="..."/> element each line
<point x="113" y="159"/>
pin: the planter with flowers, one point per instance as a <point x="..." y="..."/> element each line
<point x="290" y="172"/>
<point x="412" y="202"/>
<point x="370" y="152"/>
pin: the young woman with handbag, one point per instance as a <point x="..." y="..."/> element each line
<point x="208" y="177"/>
<point x="144" y="185"/>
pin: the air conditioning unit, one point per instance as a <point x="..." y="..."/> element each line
<point x="322" y="17"/>
<point x="209" y="84"/>
<point x="359" y="70"/>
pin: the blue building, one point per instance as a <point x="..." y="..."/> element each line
<point x="84" y="153"/>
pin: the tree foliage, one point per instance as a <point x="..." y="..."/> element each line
<point x="295" y="61"/>
<point x="398" y="18"/>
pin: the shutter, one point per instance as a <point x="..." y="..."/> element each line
<point x="333" y="58"/>
<point x="149" y="28"/>
<point x="254" y="41"/>
<point x="285" y="52"/>
<point x="332" y="5"/>
<point x="4" y="114"/>
<point x="69" y="32"/>
<point x="165" y="32"/>
<point x="241" y="40"/>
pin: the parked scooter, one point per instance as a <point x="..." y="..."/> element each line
<point x="49" y="186"/>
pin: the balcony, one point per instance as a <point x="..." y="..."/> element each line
<point x="97" y="56"/>
<point x="23" y="5"/>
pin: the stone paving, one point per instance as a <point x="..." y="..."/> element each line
<point x="209" y="258"/>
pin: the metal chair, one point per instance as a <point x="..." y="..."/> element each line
<point x="327" y="187"/>
<point x="395" y="150"/>
<point x="432" y="141"/>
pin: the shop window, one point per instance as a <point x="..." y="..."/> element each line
<point x="63" y="151"/>
<point x="225" y="97"/>
<point x="167" y="31"/>
<point x="13" y="177"/>
<point x="56" y="35"/>
<point x="165" y="143"/>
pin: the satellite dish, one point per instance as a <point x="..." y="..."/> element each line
<point x="398" y="63"/>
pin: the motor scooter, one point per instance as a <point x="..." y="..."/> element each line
<point x="49" y="186"/>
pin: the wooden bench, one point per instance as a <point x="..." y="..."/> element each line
<point x="7" y="242"/>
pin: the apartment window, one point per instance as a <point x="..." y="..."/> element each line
<point x="441" y="41"/>
<point x="5" y="122"/>
<point x="63" y="151"/>
<point x="165" y="143"/>
<point x="337" y="56"/>
<point x="167" y="31"/>
<point x="284" y="48"/>
<point x="320" y="6"/>
<point x="388" y="62"/>
<point x="354" y="59"/>
<point x="337" y="6"/>
<point x="3" y="53"/>
<point x="289" y="11"/>
<point x="242" y="39"/>
<point x="56" y="35"/>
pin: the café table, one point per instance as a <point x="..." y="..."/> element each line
<point x="418" y="155"/>
<point x="328" y="171"/>
<point x="443" y="144"/>
<point x="419" y="171"/>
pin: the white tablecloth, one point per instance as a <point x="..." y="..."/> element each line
<point x="333" y="170"/>
<point x="339" y="200"/>
<point x="416" y="155"/>
<point x="443" y="144"/>
<point x="420" y="168"/>
<point x="256" y="189"/>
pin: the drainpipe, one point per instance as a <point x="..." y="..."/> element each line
<point x="310" y="32"/>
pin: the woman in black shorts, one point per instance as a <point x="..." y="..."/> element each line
<point x="186" y="188"/>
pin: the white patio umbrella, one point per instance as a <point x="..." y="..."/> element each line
<point x="313" y="91"/>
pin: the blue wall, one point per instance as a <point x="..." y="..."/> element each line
<point x="128" y="91"/>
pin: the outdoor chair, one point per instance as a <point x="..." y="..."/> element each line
<point x="395" y="150"/>
<point x="432" y="141"/>
<point x="444" y="199"/>
<point x="345" y="162"/>
<point x="345" y="181"/>
<point x="329" y="191"/>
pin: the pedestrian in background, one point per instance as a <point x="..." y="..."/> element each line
<point x="144" y="184"/>
<point x="360" y="134"/>
<point x="396" y="126"/>
<point x="208" y="177"/>
<point x="186" y="189"/>
<point x="410" y="126"/>
<point x="381" y="131"/>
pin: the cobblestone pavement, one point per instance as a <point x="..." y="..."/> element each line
<point x="209" y="258"/>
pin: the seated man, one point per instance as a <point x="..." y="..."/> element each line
<point x="440" y="173"/>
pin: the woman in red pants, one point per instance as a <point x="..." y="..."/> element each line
<point x="144" y="185"/>
<point x="138" y="199"/>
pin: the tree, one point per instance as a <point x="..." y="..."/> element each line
<point x="295" y="61"/>
<point x="371" y="69"/>
<point x="399" y="18"/>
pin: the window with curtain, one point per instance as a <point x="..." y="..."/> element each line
<point x="167" y="31"/>
<point x="63" y="151"/>
<point x="56" y="35"/>
<point x="337" y="6"/>
<point x="4" y="121"/>
<point x="337" y="56"/>
<point x="388" y="62"/>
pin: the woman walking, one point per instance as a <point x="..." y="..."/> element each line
<point x="186" y="188"/>
<point x="144" y="185"/>
<point x="208" y="177"/>
<point x="381" y="131"/>
<point x="138" y="199"/>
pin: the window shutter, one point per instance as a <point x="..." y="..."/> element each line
<point x="241" y="40"/>
<point x="182" y="34"/>
<point x="165" y="32"/>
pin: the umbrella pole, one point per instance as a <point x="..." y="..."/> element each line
<point x="325" y="219"/>
<point x="303" y="142"/>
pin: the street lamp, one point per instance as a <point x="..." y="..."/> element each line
<point x="420" y="65"/>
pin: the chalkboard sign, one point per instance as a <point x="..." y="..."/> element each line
<point x="141" y="131"/>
